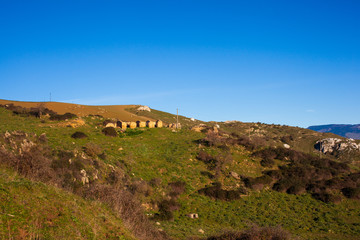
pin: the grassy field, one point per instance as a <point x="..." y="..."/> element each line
<point x="153" y="158"/>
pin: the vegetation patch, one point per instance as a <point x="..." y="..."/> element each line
<point x="110" y="131"/>
<point x="79" y="135"/>
<point x="216" y="192"/>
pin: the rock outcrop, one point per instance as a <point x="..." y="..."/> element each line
<point x="144" y="108"/>
<point x="330" y="145"/>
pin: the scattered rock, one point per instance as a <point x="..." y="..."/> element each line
<point x="286" y="146"/>
<point x="157" y="223"/>
<point x="120" y="149"/>
<point x="201" y="231"/>
<point x="234" y="175"/>
<point x="84" y="178"/>
<point x="192" y="119"/>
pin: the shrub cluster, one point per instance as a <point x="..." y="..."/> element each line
<point x="166" y="208"/>
<point x="25" y="112"/>
<point x="216" y="192"/>
<point x="216" y="163"/>
<point x="92" y="149"/>
<point x="62" y="117"/>
<point x="176" y="188"/>
<point x="110" y="131"/>
<point x="306" y="173"/>
<point x="280" y="153"/>
<point x="222" y="141"/>
<point x="79" y="135"/>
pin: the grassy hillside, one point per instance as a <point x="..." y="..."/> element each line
<point x="165" y="170"/>
<point x="33" y="210"/>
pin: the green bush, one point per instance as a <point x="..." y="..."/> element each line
<point x="110" y="131"/>
<point x="63" y="117"/>
<point x="79" y="135"/>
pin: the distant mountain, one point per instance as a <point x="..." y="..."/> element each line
<point x="345" y="130"/>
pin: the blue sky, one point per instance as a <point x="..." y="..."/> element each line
<point x="285" y="62"/>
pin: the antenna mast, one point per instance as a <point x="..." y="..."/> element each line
<point x="177" y="118"/>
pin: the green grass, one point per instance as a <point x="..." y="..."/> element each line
<point x="301" y="215"/>
<point x="32" y="210"/>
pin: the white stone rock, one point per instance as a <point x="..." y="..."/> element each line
<point x="286" y="146"/>
<point x="144" y="108"/>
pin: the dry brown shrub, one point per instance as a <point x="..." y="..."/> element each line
<point x="92" y="150"/>
<point x="128" y="208"/>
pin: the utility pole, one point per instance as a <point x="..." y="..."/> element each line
<point x="177" y="118"/>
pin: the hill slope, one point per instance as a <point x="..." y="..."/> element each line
<point x="227" y="177"/>
<point x="344" y="130"/>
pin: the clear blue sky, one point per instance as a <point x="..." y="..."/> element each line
<point x="286" y="62"/>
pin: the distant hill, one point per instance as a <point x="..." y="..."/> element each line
<point x="345" y="130"/>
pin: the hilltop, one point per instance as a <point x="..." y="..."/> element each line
<point x="108" y="111"/>
<point x="201" y="181"/>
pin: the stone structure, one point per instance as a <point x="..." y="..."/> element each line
<point x="122" y="125"/>
<point x="140" y="124"/>
<point x="150" y="124"/>
<point x="159" y="124"/>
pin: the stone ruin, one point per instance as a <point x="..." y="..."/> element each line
<point x="138" y="124"/>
